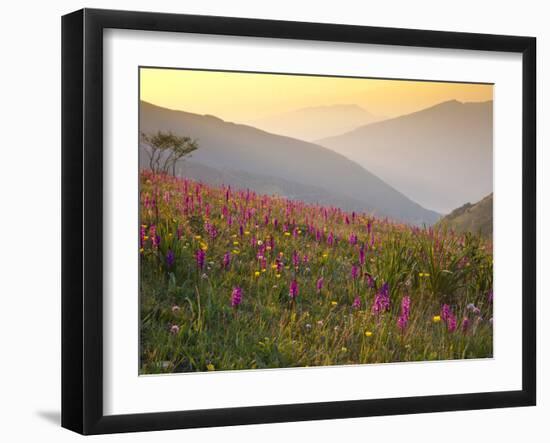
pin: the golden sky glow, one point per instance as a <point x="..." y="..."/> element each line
<point x="243" y="97"/>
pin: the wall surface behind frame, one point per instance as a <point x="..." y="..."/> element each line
<point x="30" y="222"/>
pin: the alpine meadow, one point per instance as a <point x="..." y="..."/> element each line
<point x="294" y="221"/>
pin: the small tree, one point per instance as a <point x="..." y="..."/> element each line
<point x="166" y="149"/>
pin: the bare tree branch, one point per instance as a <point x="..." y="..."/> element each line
<point x="166" y="150"/>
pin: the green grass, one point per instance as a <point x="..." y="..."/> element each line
<point x="189" y="324"/>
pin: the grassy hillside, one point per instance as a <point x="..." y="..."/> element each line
<point x="476" y="218"/>
<point x="264" y="184"/>
<point x="231" y="279"/>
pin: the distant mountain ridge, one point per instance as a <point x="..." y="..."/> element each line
<point x="439" y="157"/>
<point x="316" y="122"/>
<point x="475" y="218"/>
<point x="261" y="160"/>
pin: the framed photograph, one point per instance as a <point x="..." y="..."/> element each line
<point x="269" y="221"/>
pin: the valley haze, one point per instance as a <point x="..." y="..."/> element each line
<point x="317" y="122"/>
<point x="247" y="157"/>
<point x="440" y="157"/>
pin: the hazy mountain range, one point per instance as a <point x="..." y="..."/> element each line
<point x="313" y="123"/>
<point x="440" y="157"/>
<point x="476" y="218"/>
<point x="249" y="157"/>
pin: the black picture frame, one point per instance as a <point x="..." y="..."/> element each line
<point x="82" y="218"/>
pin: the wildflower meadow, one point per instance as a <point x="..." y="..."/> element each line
<point x="230" y="279"/>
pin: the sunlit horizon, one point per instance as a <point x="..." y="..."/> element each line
<point x="243" y="97"/>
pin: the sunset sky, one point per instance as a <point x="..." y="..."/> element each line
<point x="244" y="97"/>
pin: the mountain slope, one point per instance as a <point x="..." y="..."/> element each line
<point x="228" y="147"/>
<point x="475" y="218"/>
<point x="313" y="123"/>
<point x="265" y="185"/>
<point x="440" y="157"/>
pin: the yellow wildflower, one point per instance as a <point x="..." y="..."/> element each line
<point x="436" y="318"/>
<point x="236" y="251"/>
<point x="333" y="303"/>
<point x="235" y="243"/>
<point x="325" y="255"/>
<point x="368" y="333"/>
<point x="246" y="232"/>
<point x="257" y="273"/>
<point x="278" y="275"/>
<point x="204" y="246"/>
<point x="197" y="237"/>
<point x="210" y="367"/>
<point x="287" y="234"/>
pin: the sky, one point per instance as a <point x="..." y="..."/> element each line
<point x="245" y="97"/>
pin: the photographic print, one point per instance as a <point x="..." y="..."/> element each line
<point x="304" y="220"/>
